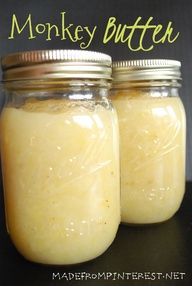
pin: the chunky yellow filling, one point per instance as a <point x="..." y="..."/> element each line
<point x="61" y="179"/>
<point x="152" y="140"/>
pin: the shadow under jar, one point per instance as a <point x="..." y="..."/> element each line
<point x="59" y="147"/>
<point x="152" y="139"/>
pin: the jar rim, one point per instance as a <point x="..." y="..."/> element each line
<point x="146" y="69"/>
<point x="41" y="64"/>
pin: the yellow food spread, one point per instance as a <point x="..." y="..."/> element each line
<point x="61" y="179"/>
<point x="152" y="140"/>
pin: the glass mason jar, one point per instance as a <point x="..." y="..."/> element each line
<point x="59" y="147"/>
<point x="152" y="139"/>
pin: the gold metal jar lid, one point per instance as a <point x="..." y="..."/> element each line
<point x="146" y="70"/>
<point x="56" y="64"/>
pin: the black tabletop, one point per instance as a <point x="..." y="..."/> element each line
<point x="151" y="255"/>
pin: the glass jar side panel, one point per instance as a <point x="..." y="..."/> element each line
<point x="152" y="140"/>
<point x="61" y="176"/>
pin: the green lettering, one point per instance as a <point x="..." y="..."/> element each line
<point x="91" y="36"/>
<point x="40" y="28"/>
<point x="167" y="35"/>
<point x="155" y="33"/>
<point x="110" y="25"/>
<point x="169" y="32"/>
<point x="15" y="26"/>
<point x="147" y="26"/>
<point x="49" y="29"/>
<point x="65" y="30"/>
<point x="78" y="30"/>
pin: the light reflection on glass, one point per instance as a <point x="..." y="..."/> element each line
<point x="80" y="96"/>
<point x="83" y="120"/>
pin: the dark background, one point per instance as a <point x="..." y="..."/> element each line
<point x="97" y="12"/>
<point x="162" y="248"/>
